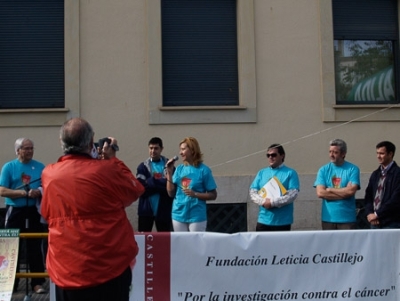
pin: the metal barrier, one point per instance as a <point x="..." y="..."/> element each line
<point x="32" y="275"/>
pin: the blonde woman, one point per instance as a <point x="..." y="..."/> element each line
<point x="191" y="185"/>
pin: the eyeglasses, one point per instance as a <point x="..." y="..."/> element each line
<point x="273" y="155"/>
<point x="27" y="148"/>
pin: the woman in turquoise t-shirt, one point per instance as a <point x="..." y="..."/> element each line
<point x="191" y="185"/>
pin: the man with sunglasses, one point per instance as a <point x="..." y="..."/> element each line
<point x="336" y="184"/>
<point x="274" y="189"/>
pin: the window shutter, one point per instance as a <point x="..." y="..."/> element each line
<point x="31" y="54"/>
<point x="365" y="19"/>
<point x="199" y="53"/>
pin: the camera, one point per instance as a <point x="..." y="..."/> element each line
<point x="101" y="142"/>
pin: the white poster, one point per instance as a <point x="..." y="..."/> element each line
<point x="306" y="265"/>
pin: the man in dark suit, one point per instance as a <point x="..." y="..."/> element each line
<point x="382" y="196"/>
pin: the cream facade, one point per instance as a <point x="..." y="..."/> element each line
<point x="287" y="96"/>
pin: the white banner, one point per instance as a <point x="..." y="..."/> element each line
<point x="258" y="266"/>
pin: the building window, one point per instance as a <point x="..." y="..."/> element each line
<point x="48" y="112"/>
<point x="236" y="101"/>
<point x="199" y="52"/>
<point x="366" y="51"/>
<point x="31" y="54"/>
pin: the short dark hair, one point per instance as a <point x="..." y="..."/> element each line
<point x="390" y="147"/>
<point x="156" y="140"/>
<point x="280" y="149"/>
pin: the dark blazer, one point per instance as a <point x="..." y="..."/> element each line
<point x="153" y="186"/>
<point x="389" y="210"/>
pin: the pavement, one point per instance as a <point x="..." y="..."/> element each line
<point x="20" y="294"/>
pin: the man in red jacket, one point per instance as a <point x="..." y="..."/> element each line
<point x="91" y="241"/>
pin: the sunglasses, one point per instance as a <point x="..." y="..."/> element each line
<point x="273" y="155"/>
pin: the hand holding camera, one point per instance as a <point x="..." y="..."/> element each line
<point x="107" y="147"/>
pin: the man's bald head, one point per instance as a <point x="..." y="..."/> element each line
<point x="76" y="136"/>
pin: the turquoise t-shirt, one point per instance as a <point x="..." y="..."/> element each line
<point x="157" y="169"/>
<point x="290" y="180"/>
<point x="15" y="174"/>
<point x="186" y="209"/>
<point x="333" y="176"/>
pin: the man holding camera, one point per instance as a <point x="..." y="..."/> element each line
<point x="91" y="241"/>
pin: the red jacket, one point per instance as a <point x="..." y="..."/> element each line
<point x="91" y="239"/>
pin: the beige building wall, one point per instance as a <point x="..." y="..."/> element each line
<point x="287" y="97"/>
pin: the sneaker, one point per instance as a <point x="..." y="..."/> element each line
<point x="38" y="289"/>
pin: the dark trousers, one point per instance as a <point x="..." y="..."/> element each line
<point x="27" y="219"/>
<point x="338" y="226"/>
<point x="263" y="227"/>
<point x="146" y="224"/>
<point x="45" y="243"/>
<point x="116" y="289"/>
<point x="391" y="225"/>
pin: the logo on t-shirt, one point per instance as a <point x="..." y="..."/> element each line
<point x="185" y="182"/>
<point x="157" y="175"/>
<point x="25" y="178"/>
<point x="336" y="181"/>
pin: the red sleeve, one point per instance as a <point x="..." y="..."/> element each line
<point x="130" y="188"/>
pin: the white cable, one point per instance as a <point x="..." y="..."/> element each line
<point x="306" y="136"/>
